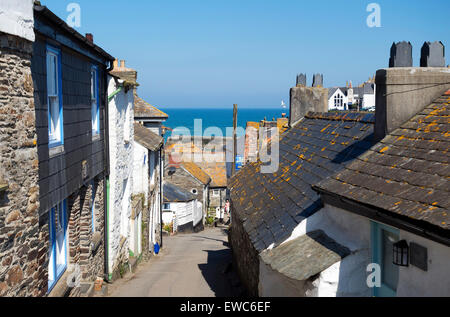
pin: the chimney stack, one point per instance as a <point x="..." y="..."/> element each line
<point x="401" y="92"/>
<point x="90" y="37"/>
<point x="432" y="54"/>
<point x="305" y="99"/>
<point x="116" y="64"/>
<point x="122" y="63"/>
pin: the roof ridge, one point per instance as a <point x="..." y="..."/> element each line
<point x="366" y="117"/>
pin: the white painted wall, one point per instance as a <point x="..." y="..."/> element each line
<point x="344" y="278"/>
<point x="121" y="172"/>
<point x="140" y="170"/>
<point x="16" y="18"/>
<point x="436" y="281"/>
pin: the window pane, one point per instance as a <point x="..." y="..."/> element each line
<point x="94" y="116"/>
<point x="390" y="271"/>
<point x="55" y="131"/>
<point x="52" y="74"/>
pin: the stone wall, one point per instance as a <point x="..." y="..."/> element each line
<point x="23" y="235"/>
<point x="86" y="246"/>
<point x="245" y="257"/>
<point x="186" y="181"/>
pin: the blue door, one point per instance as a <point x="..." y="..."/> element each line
<point x="58" y="244"/>
<point x="383" y="239"/>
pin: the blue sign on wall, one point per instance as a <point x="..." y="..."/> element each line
<point x="239" y="162"/>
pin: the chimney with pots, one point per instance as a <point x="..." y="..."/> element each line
<point x="404" y="91"/>
<point x="305" y="99"/>
<point x="90" y="37"/>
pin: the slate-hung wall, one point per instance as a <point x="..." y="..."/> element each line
<point x="60" y="173"/>
<point x="65" y="187"/>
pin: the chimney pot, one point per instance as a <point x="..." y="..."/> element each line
<point x="90" y="37"/>
<point x="122" y="63"/>
<point x="116" y="63"/>
<point x="432" y="55"/>
<point x="401" y="55"/>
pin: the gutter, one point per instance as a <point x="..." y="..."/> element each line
<point x="161" y="175"/>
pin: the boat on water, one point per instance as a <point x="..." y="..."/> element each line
<point x="283" y="105"/>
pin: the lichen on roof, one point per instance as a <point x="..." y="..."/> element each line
<point x="408" y="172"/>
<point x="272" y="205"/>
<point x="143" y="109"/>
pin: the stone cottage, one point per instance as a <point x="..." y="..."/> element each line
<point x="54" y="240"/>
<point x="121" y="85"/>
<point x="267" y="207"/>
<point x="190" y="177"/>
<point x="181" y="208"/>
<point x="393" y="201"/>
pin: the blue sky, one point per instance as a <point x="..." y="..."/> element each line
<point x="213" y="53"/>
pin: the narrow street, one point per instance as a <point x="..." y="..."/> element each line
<point x="190" y="265"/>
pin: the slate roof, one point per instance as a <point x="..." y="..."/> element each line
<point x="217" y="171"/>
<point x="197" y="172"/>
<point x="305" y="256"/>
<point x="407" y="173"/>
<point x="147" y="138"/>
<point x="272" y="205"/>
<point x="332" y="90"/>
<point x="143" y="109"/>
<point x="175" y="194"/>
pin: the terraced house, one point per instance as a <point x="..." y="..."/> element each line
<point x="61" y="136"/>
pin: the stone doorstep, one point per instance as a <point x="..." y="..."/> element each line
<point x="87" y="289"/>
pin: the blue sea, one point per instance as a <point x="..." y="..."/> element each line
<point x="217" y="117"/>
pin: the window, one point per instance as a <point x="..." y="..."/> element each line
<point x="54" y="97"/>
<point x="94" y="102"/>
<point x="216" y="193"/>
<point x="58" y="244"/>
<point x="338" y="101"/>
<point x="166" y="206"/>
<point x="194" y="191"/>
<point x="125" y="209"/>
<point x="383" y="239"/>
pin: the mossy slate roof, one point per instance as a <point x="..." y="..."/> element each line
<point x="175" y="194"/>
<point x="407" y="173"/>
<point x="272" y="205"/>
<point x="143" y="109"/>
<point x="147" y="138"/>
<point x="305" y="256"/>
<point x="197" y="172"/>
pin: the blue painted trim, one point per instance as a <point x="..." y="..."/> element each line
<point x="97" y="96"/>
<point x="51" y="144"/>
<point x="52" y="229"/>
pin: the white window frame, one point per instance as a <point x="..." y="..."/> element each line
<point x="216" y="192"/>
<point x="54" y="92"/>
<point x="95" y="105"/>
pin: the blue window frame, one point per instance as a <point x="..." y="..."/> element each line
<point x="58" y="243"/>
<point x="95" y="106"/>
<point x="54" y="97"/>
<point x="383" y="239"/>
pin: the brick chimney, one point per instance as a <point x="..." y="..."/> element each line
<point x="90" y="37"/>
<point x="403" y="91"/>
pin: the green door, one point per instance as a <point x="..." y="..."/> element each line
<point x="383" y="239"/>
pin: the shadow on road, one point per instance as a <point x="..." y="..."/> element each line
<point x="216" y="273"/>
